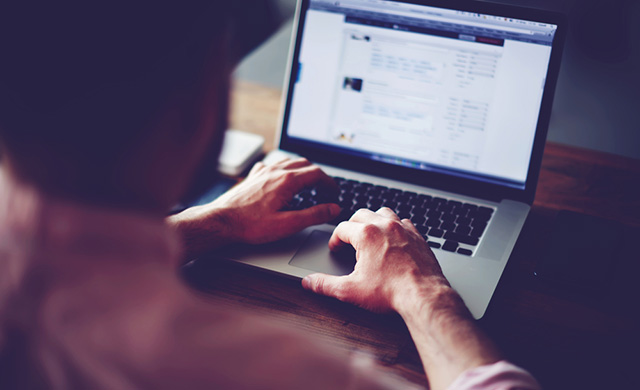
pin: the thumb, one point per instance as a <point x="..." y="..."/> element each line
<point x="323" y="284"/>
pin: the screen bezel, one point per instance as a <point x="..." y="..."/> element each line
<point x="325" y="155"/>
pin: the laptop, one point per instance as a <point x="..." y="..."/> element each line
<point x="436" y="109"/>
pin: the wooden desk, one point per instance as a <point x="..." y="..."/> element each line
<point x="565" y="340"/>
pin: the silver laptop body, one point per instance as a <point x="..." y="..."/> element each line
<point x="446" y="99"/>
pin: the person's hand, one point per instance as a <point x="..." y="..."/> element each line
<point x="252" y="212"/>
<point x="396" y="270"/>
<point x="393" y="263"/>
<point x="255" y="206"/>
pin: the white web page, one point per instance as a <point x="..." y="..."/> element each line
<point x="441" y="101"/>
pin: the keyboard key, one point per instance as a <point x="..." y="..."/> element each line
<point x="365" y="187"/>
<point x="463" y="221"/>
<point x="346" y="191"/>
<point x="374" y="193"/>
<point x="423" y="229"/>
<point x="345" y="200"/>
<point x="469" y="207"/>
<point x="478" y="231"/>
<point x="416" y="202"/>
<point x="434" y="214"/>
<point x="386" y="195"/>
<point x="436" y="233"/>
<point x="421" y="211"/>
<point x="394" y="191"/>
<point x="433" y="222"/>
<point x="375" y="204"/>
<point x="442" y="207"/>
<point x="380" y="188"/>
<point x="483" y="213"/>
<point x="424" y="198"/>
<point x="305" y="194"/>
<point x="465" y="252"/>
<point x="447" y="208"/>
<point x="402" y="198"/>
<point x="418" y="220"/>
<point x="349" y="183"/>
<point x="326" y="197"/>
<point x="461" y="229"/>
<point x="359" y="205"/>
<point x="448" y="217"/>
<point x="346" y="195"/>
<point x="485" y="210"/>
<point x="294" y="204"/>
<point x="434" y="245"/>
<point x="454" y="203"/>
<point x="404" y="215"/>
<point x="448" y="226"/>
<point x="478" y="223"/>
<point x="404" y="207"/>
<point x="390" y="204"/>
<point x="357" y="189"/>
<point x="450" y="246"/>
<point x="480" y="217"/>
<point x="461" y="238"/>
<point x="362" y="199"/>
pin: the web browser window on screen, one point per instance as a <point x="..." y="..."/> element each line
<point x="432" y="88"/>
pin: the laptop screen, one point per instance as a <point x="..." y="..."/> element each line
<point x="428" y="88"/>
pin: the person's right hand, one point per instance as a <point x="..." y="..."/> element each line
<point x="394" y="263"/>
<point x="396" y="270"/>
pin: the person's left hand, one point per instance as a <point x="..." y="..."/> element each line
<point x="252" y="212"/>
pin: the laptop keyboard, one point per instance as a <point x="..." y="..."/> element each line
<point x="445" y="224"/>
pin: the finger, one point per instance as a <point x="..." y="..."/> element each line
<point x="409" y="225"/>
<point x="293" y="221"/>
<point x="387" y="212"/>
<point x="281" y="160"/>
<point x="311" y="176"/>
<point x="329" y="285"/>
<point x="294" y="164"/>
<point x="345" y="233"/>
<point x="257" y="167"/>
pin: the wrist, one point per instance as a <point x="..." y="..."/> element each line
<point x="203" y="228"/>
<point x="444" y="332"/>
<point x="431" y="294"/>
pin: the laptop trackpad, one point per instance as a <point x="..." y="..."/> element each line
<point x="315" y="255"/>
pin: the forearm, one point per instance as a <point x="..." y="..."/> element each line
<point x="444" y="332"/>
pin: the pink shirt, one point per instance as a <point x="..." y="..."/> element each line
<point x="90" y="298"/>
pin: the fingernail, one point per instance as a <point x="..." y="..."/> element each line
<point x="335" y="209"/>
<point x="306" y="282"/>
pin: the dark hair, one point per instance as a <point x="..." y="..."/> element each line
<point x="85" y="78"/>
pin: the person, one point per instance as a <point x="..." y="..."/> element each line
<point x="111" y="114"/>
